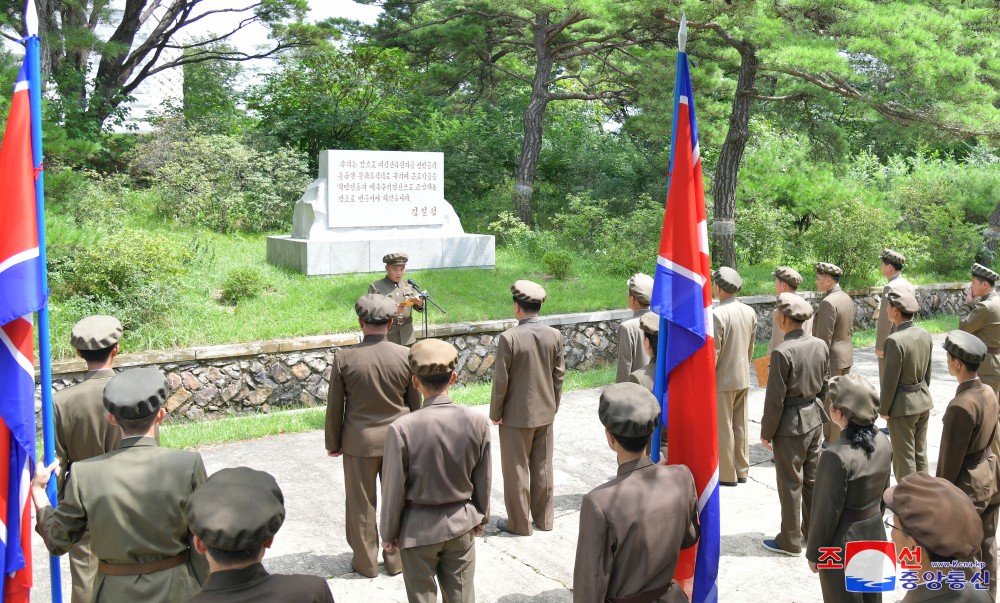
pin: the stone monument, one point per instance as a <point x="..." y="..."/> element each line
<point x="365" y="204"/>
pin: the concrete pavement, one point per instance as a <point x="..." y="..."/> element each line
<point x="540" y="567"/>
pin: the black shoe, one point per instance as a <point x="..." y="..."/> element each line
<point x="730" y="484"/>
<point x="773" y="546"/>
<point x="741" y="480"/>
<point x="502" y="526"/>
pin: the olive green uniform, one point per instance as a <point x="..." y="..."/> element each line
<point x="401" y="328"/>
<point x="983" y="321"/>
<point x="254" y="583"/>
<point x="132" y="501"/>
<point x="905" y="396"/>
<point x="735" y="333"/>
<point x="792" y="422"/>
<point x="82" y="431"/>
<point x="834" y="325"/>
<point x="965" y="458"/>
<point x="884" y="326"/>
<point x="631" y="353"/>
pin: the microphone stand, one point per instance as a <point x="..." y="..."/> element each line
<point x="426" y="297"/>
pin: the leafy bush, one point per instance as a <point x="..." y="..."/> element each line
<point x="220" y="182"/>
<point x="559" y="263"/>
<point x="761" y="232"/>
<point x="242" y="284"/>
<point x="509" y="229"/>
<point x="850" y="234"/>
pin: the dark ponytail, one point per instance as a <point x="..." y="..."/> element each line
<point x="861" y="436"/>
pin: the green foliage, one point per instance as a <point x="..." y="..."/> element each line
<point x="509" y="229"/>
<point x="211" y="91"/>
<point x="762" y="233"/>
<point x="622" y="245"/>
<point x="221" y="182"/>
<point x="242" y="284"/>
<point x="559" y="263"/>
<point x="850" y="234"/>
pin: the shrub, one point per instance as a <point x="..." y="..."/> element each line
<point x="761" y="231"/>
<point x="850" y="234"/>
<point x="559" y="263"/>
<point x="509" y="229"/>
<point x="242" y="284"/>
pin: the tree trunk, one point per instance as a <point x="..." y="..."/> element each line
<point x="531" y="145"/>
<point x="727" y="171"/>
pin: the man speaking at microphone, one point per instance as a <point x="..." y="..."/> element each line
<point x="407" y="298"/>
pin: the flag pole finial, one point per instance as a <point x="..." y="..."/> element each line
<point x="31" y="18"/>
<point x="682" y="33"/>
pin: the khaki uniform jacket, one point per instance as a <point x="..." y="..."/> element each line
<point x="252" y="584"/>
<point x="631" y="353"/>
<point x="884" y="326"/>
<point x="632" y="530"/>
<point x="132" y="501"/>
<point x="735" y="334"/>
<point x="907" y="362"/>
<point x="984" y="322"/>
<point x="847" y="478"/>
<point x="970" y="423"/>
<point x="438" y="458"/>
<point x="799" y="367"/>
<point x="82" y="429"/>
<point x="402" y="334"/>
<point x="370" y="387"/>
<point x="528" y="375"/>
<point x="946" y="595"/>
<point x="834" y="325"/>
<point x="777" y="336"/>
<point x="644" y="376"/>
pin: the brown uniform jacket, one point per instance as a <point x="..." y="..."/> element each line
<point x="438" y="458"/>
<point x="799" y="367"/>
<point x="631" y="353"/>
<point x="970" y="423"/>
<point x="848" y="479"/>
<point x="984" y="322"/>
<point x="735" y="334"/>
<point x="884" y="326"/>
<point x="82" y="429"/>
<point x="252" y="584"/>
<point x="907" y="362"/>
<point x="369" y="389"/>
<point x="632" y="530"/>
<point x="834" y="325"/>
<point x="528" y="375"/>
<point x="645" y="375"/>
<point x="402" y="334"/>
<point x="132" y="502"/>
<point x="777" y="336"/>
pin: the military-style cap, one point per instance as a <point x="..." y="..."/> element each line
<point x="984" y="273"/>
<point x="789" y="275"/>
<point x="135" y="393"/>
<point x="828" y="268"/>
<point x="236" y="509"/>
<point x="794" y="307"/>
<point x="395" y="258"/>
<point x="430" y="357"/>
<point x="936" y="514"/>
<point x="727" y="279"/>
<point x="893" y="257"/>
<point x="96" y="333"/>
<point x="903" y="300"/>
<point x="640" y="286"/>
<point x="650" y="323"/>
<point x="528" y="292"/>
<point x="375" y="309"/>
<point x="965" y="346"/>
<point x="857" y="395"/>
<point x="628" y="410"/>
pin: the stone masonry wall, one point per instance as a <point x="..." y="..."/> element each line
<point x="219" y="381"/>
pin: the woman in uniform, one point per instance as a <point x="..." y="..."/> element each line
<point x="852" y="475"/>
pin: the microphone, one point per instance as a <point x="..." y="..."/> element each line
<point x="414" y="283"/>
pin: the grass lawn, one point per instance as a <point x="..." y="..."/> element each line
<point x="191" y="435"/>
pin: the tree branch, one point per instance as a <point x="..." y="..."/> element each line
<point x="511" y="73"/>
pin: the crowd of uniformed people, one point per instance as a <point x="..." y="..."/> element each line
<point x="144" y="523"/>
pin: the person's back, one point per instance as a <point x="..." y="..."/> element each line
<point x="534" y="363"/>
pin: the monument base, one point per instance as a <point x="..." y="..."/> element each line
<point x="314" y="257"/>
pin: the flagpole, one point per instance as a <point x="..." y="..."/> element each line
<point x="33" y="53"/>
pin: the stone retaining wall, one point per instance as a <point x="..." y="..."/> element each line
<point x="219" y="381"/>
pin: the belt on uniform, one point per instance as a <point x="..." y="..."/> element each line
<point x="650" y="596"/>
<point x="415" y="505"/>
<point x="971" y="461"/>
<point x="853" y="515"/>
<point x="907" y="387"/>
<point x="800" y="401"/>
<point x="993" y="350"/>
<point x="134" y="569"/>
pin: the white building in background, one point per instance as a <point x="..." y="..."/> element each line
<point x="154" y="93"/>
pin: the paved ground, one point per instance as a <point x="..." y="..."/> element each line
<point x="537" y="568"/>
